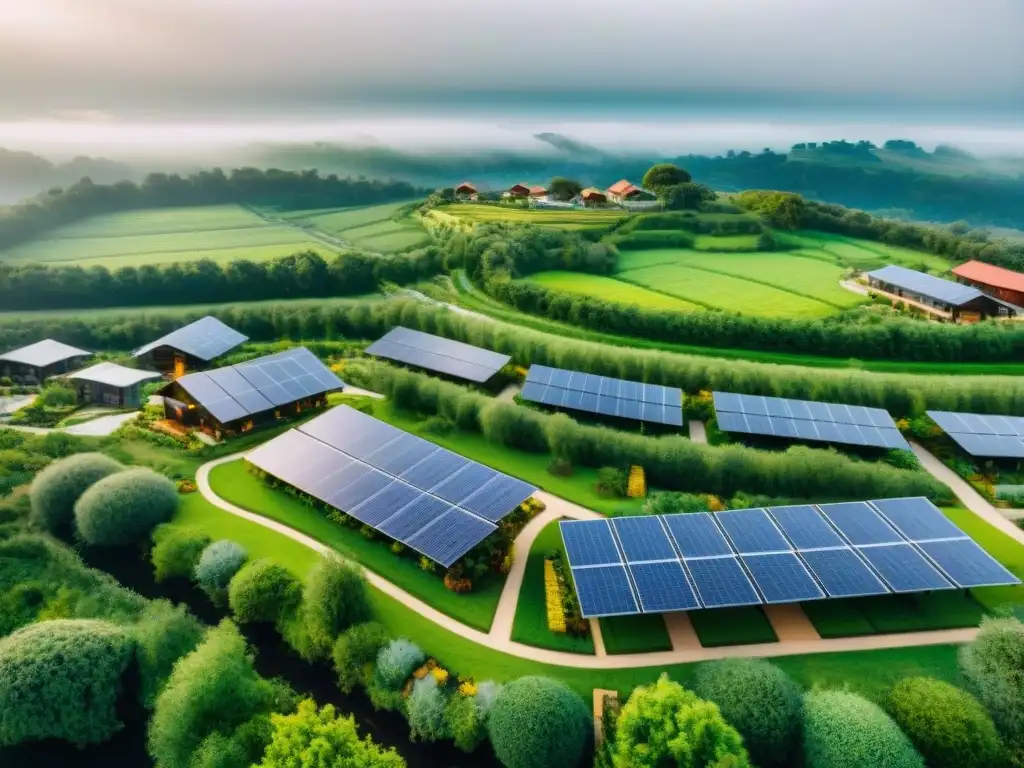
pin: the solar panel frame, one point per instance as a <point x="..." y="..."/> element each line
<point x="804" y="526"/>
<point x="917" y="519"/>
<point x="589" y="543"/>
<point x="752" y="531"/>
<point x="697" y="534"/>
<point x="643" y="539"/>
<point x="722" y="582"/>
<point x="904" y="569"/>
<point x="860" y="524"/>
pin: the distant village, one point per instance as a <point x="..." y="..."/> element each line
<point x="623" y="193"/>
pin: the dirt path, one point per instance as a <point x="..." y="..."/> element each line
<point x="508" y="394"/>
<point x="698" y="432"/>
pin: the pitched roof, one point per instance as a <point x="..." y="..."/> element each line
<point x="590" y="191"/>
<point x="927" y="285"/>
<point x="989" y="274"/>
<point x="205" y="339"/>
<point x="538" y="190"/>
<point x="519" y="186"/>
<point x="465" y="185"/>
<point x="620" y="187"/>
<point x="113" y="375"/>
<point x="44" y="353"/>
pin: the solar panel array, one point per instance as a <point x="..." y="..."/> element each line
<point x="982" y="435"/>
<point x="438" y="354"/>
<point x="205" y="339"/>
<point x="788" y="554"/>
<point x="602" y="395"/>
<point x="430" y="499"/>
<point x="260" y="385"/>
<point x="807" y="420"/>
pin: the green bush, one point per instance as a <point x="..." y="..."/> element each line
<point x="425" y="711"/>
<point x="176" y="551"/>
<point x="163" y="634"/>
<point x="947" y="725"/>
<point x="611" y="481"/>
<point x="760" y="701"/>
<point x="466" y="722"/>
<point x="844" y="730"/>
<point x="333" y="600"/>
<point x="994" y="667"/>
<point x="218" y="563"/>
<point x="61" y="680"/>
<point x="396" y="662"/>
<point x="356" y="651"/>
<point x="125" y="507"/>
<point x="56" y="489"/>
<point x="537" y="722"/>
<point x="264" y="591"/>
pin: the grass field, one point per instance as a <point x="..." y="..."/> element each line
<point x="558" y="219"/>
<point x="370" y="227"/>
<point x="862" y="254"/>
<point x="725" y="243"/>
<point x="220" y="233"/>
<point x="610" y="289"/>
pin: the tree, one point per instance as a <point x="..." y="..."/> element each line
<point x="55" y="490"/>
<point x="947" y="725"/>
<point x="760" y="701"/>
<point x="125" y="507"/>
<point x="561" y="188"/>
<point x="664" y="175"/>
<point x="218" y="564"/>
<point x="686" y="196"/>
<point x="321" y="739"/>
<point x="665" y="724"/>
<point x="61" y="680"/>
<point x="844" y="730"/>
<point x="333" y="600"/>
<point x="176" y="551"/>
<point x="264" y="591"/>
<point x="994" y="667"/>
<point x="356" y="651"/>
<point x="163" y="634"/>
<point x="766" y="241"/>
<point x="537" y="722"/>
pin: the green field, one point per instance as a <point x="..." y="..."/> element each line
<point x="725" y="243"/>
<point x="559" y="219"/>
<point x="220" y="233"/>
<point x="370" y="227"/>
<point x="861" y="254"/>
<point x="610" y="289"/>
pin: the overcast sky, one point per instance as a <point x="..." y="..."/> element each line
<point x="71" y="57"/>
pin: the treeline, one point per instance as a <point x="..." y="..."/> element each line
<point x="693" y="222"/>
<point x="306" y="274"/>
<point x="671" y="462"/>
<point x="247" y="186"/>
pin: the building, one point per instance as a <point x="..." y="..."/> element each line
<point x="517" y="192"/>
<point x="191" y="347"/>
<point x="624" y="191"/>
<point x="111" y="384"/>
<point x="466" y="191"/>
<point x="37" y="362"/>
<point x="593" y="196"/>
<point x="538" y="192"/>
<point x="237" y="398"/>
<point x="945" y="298"/>
<point x="1002" y="283"/>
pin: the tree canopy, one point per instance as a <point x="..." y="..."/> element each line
<point x="664" y="175"/>
<point x="125" y="507"/>
<point x="537" y="722"/>
<point x="562" y="188"/>
<point x="333" y="600"/>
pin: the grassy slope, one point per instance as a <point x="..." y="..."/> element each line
<point x="610" y="289"/>
<point x="368" y="227"/>
<point x="561" y="219"/>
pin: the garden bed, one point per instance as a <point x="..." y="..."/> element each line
<point x="732" y="626"/>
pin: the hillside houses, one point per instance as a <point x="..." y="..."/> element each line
<point x="622" y="193"/>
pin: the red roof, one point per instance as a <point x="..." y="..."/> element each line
<point x="538" y="190"/>
<point x="620" y="187"/>
<point x="519" y="188"/>
<point x="989" y="274"/>
<point x="466" y="185"/>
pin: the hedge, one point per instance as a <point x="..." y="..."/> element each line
<point x="538" y="722"/>
<point x="125" y="507"/>
<point x="844" y="730"/>
<point x="55" y="490"/>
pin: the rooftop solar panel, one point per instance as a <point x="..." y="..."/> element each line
<point x="205" y="339"/>
<point x="604" y="591"/>
<point x="904" y="569"/>
<point x="663" y="587"/>
<point x="966" y="563"/>
<point x="805" y="527"/>
<point x="782" y="578"/>
<point x="752" y="530"/>
<point x="589" y="543"/>
<point x="643" y="539"/>
<point x="859" y="523"/>
<point x="842" y="573"/>
<point x="437" y="353"/>
<point x="697" y="535"/>
<point x="721" y="582"/>
<point x="918" y="519"/>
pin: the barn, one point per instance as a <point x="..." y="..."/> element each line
<point x="465" y="191"/>
<point x="517" y="192"/>
<point x="1002" y="283"/>
<point x="37" y="362"/>
<point x="111" y="384"/>
<point x="191" y="347"/>
<point x="943" y="298"/>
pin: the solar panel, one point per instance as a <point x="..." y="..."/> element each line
<point x="842" y="573"/>
<point x="697" y="535"/>
<point x="204" y="339"/>
<point x="589" y="543"/>
<point x="721" y="582"/>
<point x="983" y="435"/>
<point x="752" y="530"/>
<point x="436" y="353"/>
<point x="604" y="591"/>
<point x="918" y="519"/>
<point x="859" y="523"/>
<point x="967" y="564"/>
<point x="663" y="587"/>
<point x="904" y="569"/>
<point x="643" y="539"/>
<point x="451" y="536"/>
<point x="805" y="527"/>
<point x="782" y="578"/>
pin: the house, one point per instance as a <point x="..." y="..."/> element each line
<point x="1002" y="283"/>
<point x="538" y="192"/>
<point x="191" y="347"/>
<point x="593" y="196"/>
<point x="624" y="191"/>
<point x="517" y="192"/>
<point x="466" y="191"/>
<point x="111" y="384"/>
<point x="37" y="362"/>
<point x="961" y="303"/>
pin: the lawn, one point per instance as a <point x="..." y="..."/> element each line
<point x="609" y="289"/>
<point x="643" y="633"/>
<point x="732" y="626"/>
<point x="574" y="218"/>
<point x="232" y="482"/>
<point x="725" y="243"/>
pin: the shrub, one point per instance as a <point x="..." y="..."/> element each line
<point x="163" y="634"/>
<point x="264" y="591"/>
<point x="760" y="701"/>
<point x="425" y="711"/>
<point x="843" y="730"/>
<point x="61" y="680"/>
<point x="355" y="652"/>
<point x="560" y="467"/>
<point x="537" y="722"/>
<point x="56" y="489"/>
<point x="333" y="600"/>
<point x="466" y="722"/>
<point x="611" y="481"/>
<point x="486" y="694"/>
<point x="125" y="507"/>
<point x="994" y="667"/>
<point x="176" y="551"/>
<point x="396" y="662"/>
<point x="947" y="725"/>
<point x="665" y="724"/>
<point x="218" y="563"/>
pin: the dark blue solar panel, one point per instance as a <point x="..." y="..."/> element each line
<point x="697" y="535"/>
<point x="382" y="505"/>
<point x="967" y="564"/>
<point x="560" y="378"/>
<point x="539" y="373"/>
<point x="643" y="538"/>
<point x="589" y="542"/>
<point x="464" y="481"/>
<point x="753" y="404"/>
<point x="918" y="519"/>
<point x="630" y="409"/>
<point x="451" y="536"/>
<point x="782" y="578"/>
<point x="604" y="591"/>
<point x="860" y="523"/>
<point x="759" y="425"/>
<point x="402" y="454"/>
<point x="336" y="481"/>
<point x="499" y="497"/>
<point x="731" y="422"/>
<point x="413" y="517"/>
<point x="438" y="354"/>
<point x="805" y="527"/>
<point x="727" y="401"/>
<point x="842" y="573"/>
<point x="904" y="568"/>
<point x="532" y="390"/>
<point x="663" y="587"/>
<point x="721" y="582"/>
<point x="442" y="466"/>
<point x="751" y="530"/>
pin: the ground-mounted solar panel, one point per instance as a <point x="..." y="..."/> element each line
<point x="842" y="573"/>
<point x="985" y="435"/>
<point x="918" y="519"/>
<point x="604" y="591"/>
<point x="782" y="577"/>
<point x="721" y="582"/>
<point x="860" y="524"/>
<point x="589" y="542"/>
<point x="697" y="535"/>
<point x="451" y="536"/>
<point x="643" y="539"/>
<point x="436" y="353"/>
<point x="904" y="569"/>
<point x="966" y="563"/>
<point x="205" y="339"/>
<point x="752" y="530"/>
<point x="805" y="527"/>
<point x="663" y="587"/>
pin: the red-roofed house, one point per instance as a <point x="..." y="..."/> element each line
<point x="1002" y="283"/>
<point x="623" y="191"/>
<point x="517" y="191"/>
<point x="593" y="196"/>
<point x="465" y="191"/>
<point x="538" y="191"/>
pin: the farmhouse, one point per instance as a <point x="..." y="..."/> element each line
<point x="111" y="384"/>
<point x="624" y="191"/>
<point x="517" y="192"/>
<point x="465" y="191"/>
<point x="538" y="191"/>
<point x="1002" y="283"/>
<point x="237" y="398"/>
<point x="36" y="362"/>
<point x="191" y="347"/>
<point x="940" y="297"/>
<point x="592" y="196"/>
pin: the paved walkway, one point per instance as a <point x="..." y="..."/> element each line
<point x="98" y="427"/>
<point x="698" y="432"/>
<point x="359" y="391"/>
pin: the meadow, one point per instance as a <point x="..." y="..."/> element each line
<point x="610" y="289"/>
<point x="861" y="254"/>
<point x="370" y="227"/>
<point x="558" y="219"/>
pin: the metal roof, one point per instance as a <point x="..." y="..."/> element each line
<point x="927" y="285"/>
<point x="990" y="274"/>
<point x="44" y="353"/>
<point x="205" y="339"/>
<point x="113" y="375"/>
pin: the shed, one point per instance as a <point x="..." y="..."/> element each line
<point x="111" y="384"/>
<point x="39" y="361"/>
<point x="959" y="302"/>
<point x="191" y="347"/>
<point x="1002" y="283"/>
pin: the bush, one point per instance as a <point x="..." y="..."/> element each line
<point x="760" y="701"/>
<point x="125" y="507"/>
<point x="947" y="725"/>
<point x="163" y="634"/>
<point x="994" y="667"/>
<point x="264" y="591"/>
<point x="355" y="652"/>
<point x="425" y="711"/>
<point x="217" y="565"/>
<point x="467" y="721"/>
<point x="61" y="680"/>
<point x="56" y="489"/>
<point x="560" y="467"/>
<point x="176" y="551"/>
<point x="396" y="662"/>
<point x="537" y="722"/>
<point x="843" y="730"/>
<point x="611" y="481"/>
<point x="333" y="600"/>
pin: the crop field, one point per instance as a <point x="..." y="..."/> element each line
<point x="726" y="243"/>
<point x="370" y="227"/>
<point x="862" y="254"/>
<point x="220" y="233"/>
<point x="610" y="289"/>
<point x="558" y="219"/>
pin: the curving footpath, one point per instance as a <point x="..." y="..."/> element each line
<point x="499" y="637"/>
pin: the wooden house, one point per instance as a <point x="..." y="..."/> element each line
<point x="191" y="347"/>
<point x="517" y="192"/>
<point x="945" y="298"/>
<point x="624" y="191"/>
<point x="466" y="191"/>
<point x="111" y="384"/>
<point x="593" y="196"/>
